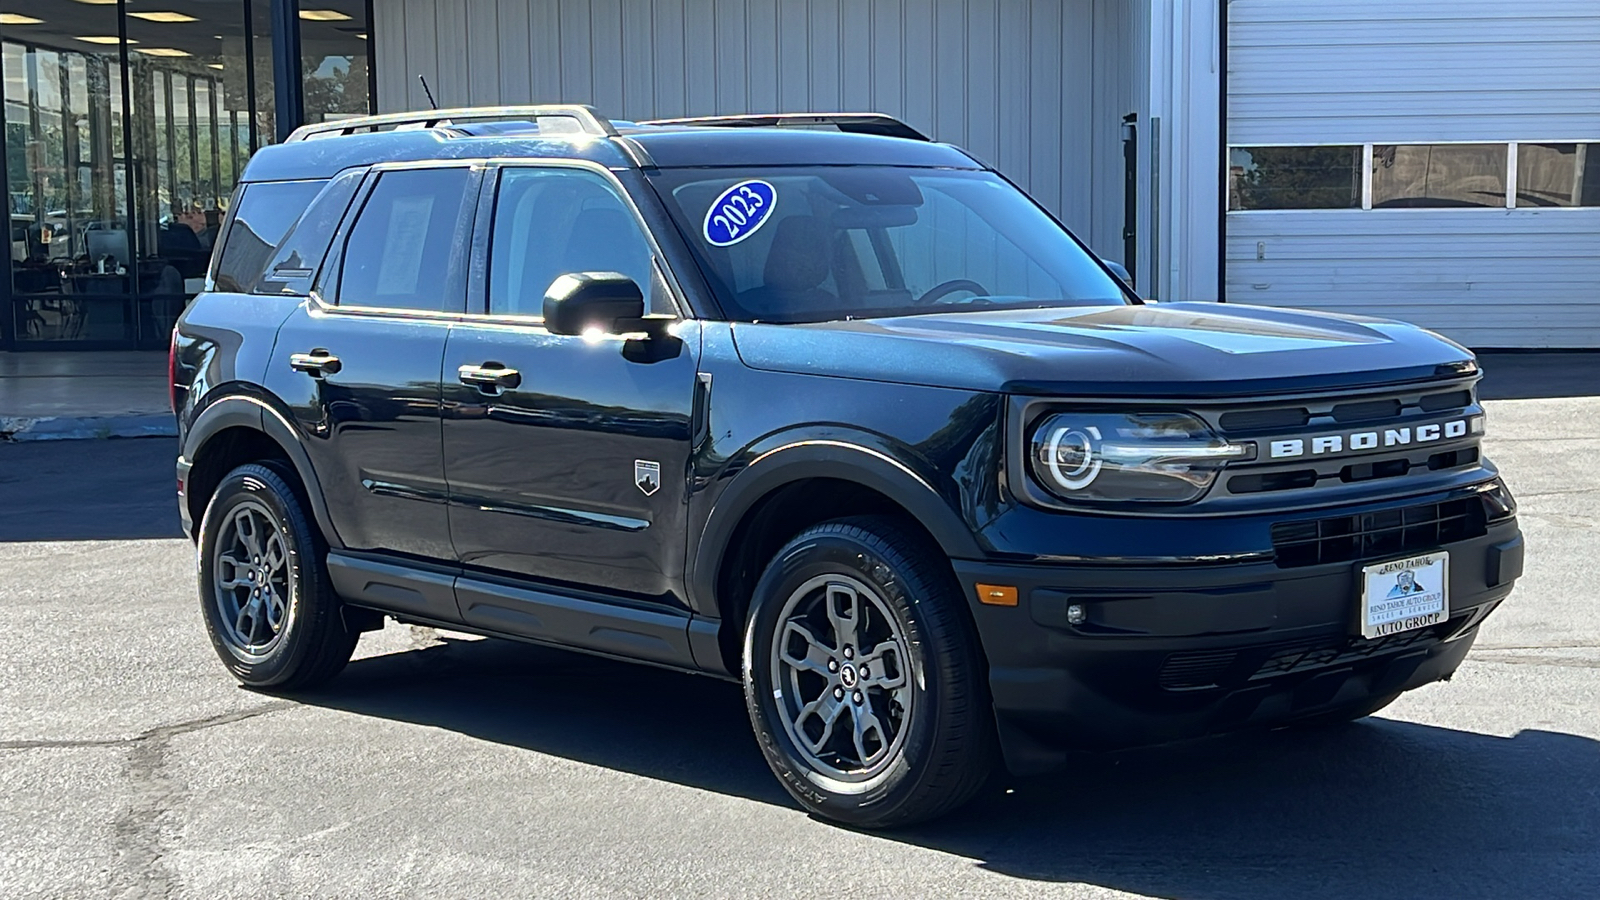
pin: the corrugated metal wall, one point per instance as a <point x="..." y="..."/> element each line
<point x="1357" y="71"/>
<point x="1036" y="87"/>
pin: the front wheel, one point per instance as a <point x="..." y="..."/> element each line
<point x="863" y="677"/>
<point x="264" y="590"/>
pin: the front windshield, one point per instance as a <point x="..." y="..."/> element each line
<point x="813" y="244"/>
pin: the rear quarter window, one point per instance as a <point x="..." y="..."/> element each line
<point x="264" y="215"/>
<point x="297" y="257"/>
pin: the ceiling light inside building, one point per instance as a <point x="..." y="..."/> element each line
<point x="164" y="51"/>
<point x="159" y="16"/>
<point x="103" y="39"/>
<point x="18" y="19"/>
<point x="323" y="15"/>
<point x="217" y="66"/>
<point x="99" y="2"/>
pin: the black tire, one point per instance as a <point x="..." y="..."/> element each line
<point x="941" y="748"/>
<point x="310" y="643"/>
<point x="1342" y="715"/>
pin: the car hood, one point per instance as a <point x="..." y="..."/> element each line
<point x="1153" y="350"/>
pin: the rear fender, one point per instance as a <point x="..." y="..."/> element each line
<point x="249" y="411"/>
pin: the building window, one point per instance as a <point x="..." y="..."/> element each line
<point x="1558" y="174"/>
<point x="333" y="54"/>
<point x="1294" y="177"/>
<point x="1438" y="175"/>
<point x="67" y="175"/>
<point x="117" y="179"/>
<point x="1415" y="176"/>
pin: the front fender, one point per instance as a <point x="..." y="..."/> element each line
<point x="860" y="457"/>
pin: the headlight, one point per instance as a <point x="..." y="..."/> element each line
<point x="1128" y="457"/>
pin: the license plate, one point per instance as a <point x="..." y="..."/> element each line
<point x="1404" y="594"/>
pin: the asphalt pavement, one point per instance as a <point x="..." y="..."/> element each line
<point x="443" y="766"/>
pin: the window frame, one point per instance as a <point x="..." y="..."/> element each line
<point x="1366" y="176"/>
<point x="483" y="237"/>
<point x="324" y="294"/>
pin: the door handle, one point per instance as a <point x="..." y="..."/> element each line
<point x="317" y="363"/>
<point x="491" y="377"/>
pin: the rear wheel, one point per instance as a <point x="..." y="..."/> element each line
<point x="863" y="677"/>
<point x="264" y="591"/>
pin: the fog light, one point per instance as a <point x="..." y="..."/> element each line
<point x="1075" y="614"/>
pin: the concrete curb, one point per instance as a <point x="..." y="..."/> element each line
<point x="78" y="428"/>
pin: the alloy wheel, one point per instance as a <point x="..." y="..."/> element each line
<point x="841" y="677"/>
<point x="251" y="579"/>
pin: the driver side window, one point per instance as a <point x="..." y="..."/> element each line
<point x="549" y="222"/>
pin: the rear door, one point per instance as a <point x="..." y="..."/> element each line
<point x="359" y="361"/>
<point x="574" y="469"/>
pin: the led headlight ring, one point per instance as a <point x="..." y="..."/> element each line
<point x="1086" y="470"/>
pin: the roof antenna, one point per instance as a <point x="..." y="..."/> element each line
<point x="431" y="102"/>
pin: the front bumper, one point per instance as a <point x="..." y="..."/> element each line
<point x="1168" y="652"/>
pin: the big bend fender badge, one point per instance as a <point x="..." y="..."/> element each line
<point x="647" y="475"/>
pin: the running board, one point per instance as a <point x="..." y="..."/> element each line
<point x="447" y="596"/>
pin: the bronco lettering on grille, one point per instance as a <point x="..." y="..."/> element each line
<point x="1378" y="439"/>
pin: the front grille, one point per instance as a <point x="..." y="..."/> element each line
<point x="1251" y="420"/>
<point x="1366" y="411"/>
<point x="1446" y="400"/>
<point x="1343" y="412"/>
<point x="1375" y="535"/>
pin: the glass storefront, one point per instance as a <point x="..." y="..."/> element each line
<point x="126" y="125"/>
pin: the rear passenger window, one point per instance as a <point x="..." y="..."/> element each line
<point x="400" y="249"/>
<point x="266" y="210"/>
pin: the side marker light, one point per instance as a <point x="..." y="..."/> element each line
<point x="997" y="595"/>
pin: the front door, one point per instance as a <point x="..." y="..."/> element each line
<point x="570" y="464"/>
<point x="359" y="365"/>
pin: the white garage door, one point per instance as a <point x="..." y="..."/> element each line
<point x="1037" y="88"/>
<point x="1436" y="161"/>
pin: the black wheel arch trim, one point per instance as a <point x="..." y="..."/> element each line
<point x="242" y="410"/>
<point x="859" y="458"/>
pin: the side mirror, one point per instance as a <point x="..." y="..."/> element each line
<point x="1118" y="269"/>
<point x="579" y="301"/>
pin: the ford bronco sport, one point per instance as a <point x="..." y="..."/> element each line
<point x="834" y="410"/>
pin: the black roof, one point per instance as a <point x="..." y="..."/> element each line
<point x="574" y="133"/>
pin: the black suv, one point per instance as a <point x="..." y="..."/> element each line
<point x="832" y="410"/>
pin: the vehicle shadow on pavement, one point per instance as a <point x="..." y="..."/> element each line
<point x="658" y="723"/>
<point x="1374" y="809"/>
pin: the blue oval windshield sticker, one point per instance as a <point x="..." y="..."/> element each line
<point x="739" y="212"/>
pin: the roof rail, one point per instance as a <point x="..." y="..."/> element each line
<point x="587" y="120"/>
<point x="855" y="123"/>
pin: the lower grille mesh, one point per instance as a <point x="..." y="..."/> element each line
<point x="1195" y="670"/>
<point x="1308" y="655"/>
<point x="1377" y="534"/>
